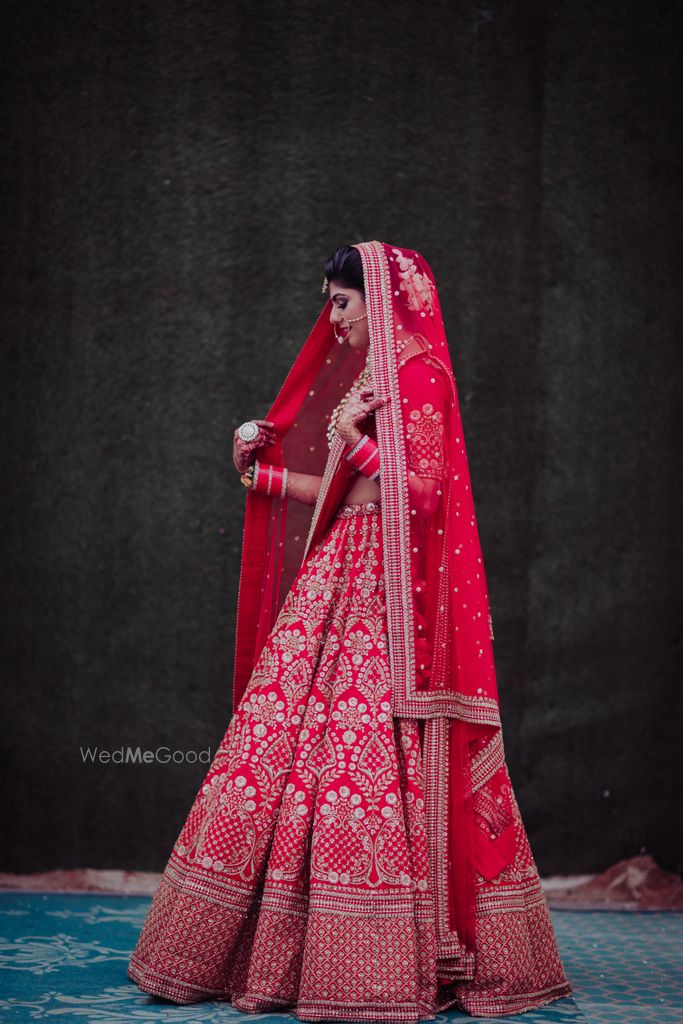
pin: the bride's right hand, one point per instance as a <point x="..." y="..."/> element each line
<point x="243" y="451"/>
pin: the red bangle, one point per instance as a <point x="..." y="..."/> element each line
<point x="364" y="456"/>
<point x="270" y="480"/>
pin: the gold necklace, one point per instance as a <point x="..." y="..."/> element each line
<point x="362" y="380"/>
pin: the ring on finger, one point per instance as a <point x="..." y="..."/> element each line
<point x="248" y="431"/>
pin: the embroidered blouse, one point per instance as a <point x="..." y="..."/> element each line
<point x="424" y="410"/>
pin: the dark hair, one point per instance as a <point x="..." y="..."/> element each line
<point x="346" y="267"/>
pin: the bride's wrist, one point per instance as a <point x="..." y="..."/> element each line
<point x="267" y="479"/>
<point x="352" y="437"/>
<point x="364" y="456"/>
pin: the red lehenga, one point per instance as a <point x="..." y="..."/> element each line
<point x="356" y="851"/>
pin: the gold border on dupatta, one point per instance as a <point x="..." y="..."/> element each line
<point x="454" y="960"/>
<point x="407" y="701"/>
<point x="336" y="450"/>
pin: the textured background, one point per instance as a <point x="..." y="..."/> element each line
<point x="176" y="174"/>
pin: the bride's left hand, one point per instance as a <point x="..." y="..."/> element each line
<point x="357" y="408"/>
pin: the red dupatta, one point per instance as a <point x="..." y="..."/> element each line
<point x="439" y="623"/>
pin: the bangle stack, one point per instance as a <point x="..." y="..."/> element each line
<point x="364" y="456"/>
<point x="270" y="480"/>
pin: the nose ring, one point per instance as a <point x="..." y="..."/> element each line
<point x="341" y="339"/>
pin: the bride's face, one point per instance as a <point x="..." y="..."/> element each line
<point x="349" y="303"/>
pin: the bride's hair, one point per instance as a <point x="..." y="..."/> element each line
<point x="346" y="267"/>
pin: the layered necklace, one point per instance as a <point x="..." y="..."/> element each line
<point x="363" y="379"/>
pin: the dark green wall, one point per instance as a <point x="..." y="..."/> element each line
<point x="176" y="175"/>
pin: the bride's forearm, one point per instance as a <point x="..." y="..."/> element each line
<point x="303" y="487"/>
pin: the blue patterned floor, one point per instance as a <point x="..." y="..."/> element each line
<point x="63" y="958"/>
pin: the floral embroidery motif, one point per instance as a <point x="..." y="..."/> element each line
<point x="424" y="433"/>
<point x="417" y="286"/>
<point x="301" y="875"/>
<point x="492" y="808"/>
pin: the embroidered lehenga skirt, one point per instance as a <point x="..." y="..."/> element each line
<point x="300" y="879"/>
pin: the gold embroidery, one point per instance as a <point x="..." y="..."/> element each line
<point x="424" y="432"/>
<point x="492" y="808"/>
<point x="417" y="286"/>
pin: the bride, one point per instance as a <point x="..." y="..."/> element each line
<point x="356" y="851"/>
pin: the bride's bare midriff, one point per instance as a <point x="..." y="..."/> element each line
<point x="361" y="489"/>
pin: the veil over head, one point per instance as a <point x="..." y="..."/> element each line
<point x="439" y="623"/>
